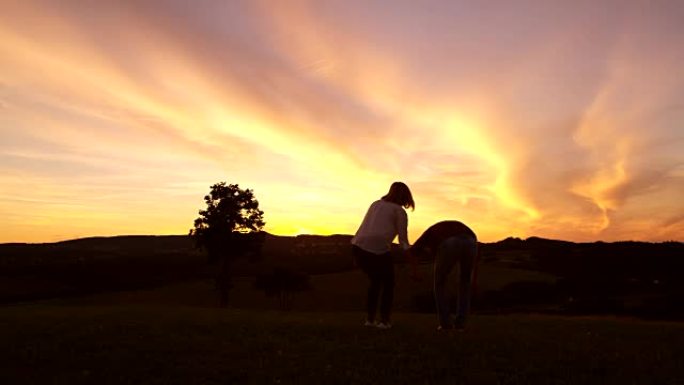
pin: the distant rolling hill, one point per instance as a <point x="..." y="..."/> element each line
<point x="27" y="256"/>
<point x="515" y="274"/>
<point x="88" y="265"/>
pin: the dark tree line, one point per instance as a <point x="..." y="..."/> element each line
<point x="634" y="278"/>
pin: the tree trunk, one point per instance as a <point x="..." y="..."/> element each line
<point x="223" y="282"/>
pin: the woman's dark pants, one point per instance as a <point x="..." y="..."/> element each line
<point x="380" y="271"/>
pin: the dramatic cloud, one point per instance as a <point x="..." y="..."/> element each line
<point x="555" y="119"/>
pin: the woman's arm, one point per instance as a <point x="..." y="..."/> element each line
<point x="402" y="229"/>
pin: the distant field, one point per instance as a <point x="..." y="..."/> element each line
<point x="331" y="292"/>
<point x="530" y="276"/>
<point x="179" y="345"/>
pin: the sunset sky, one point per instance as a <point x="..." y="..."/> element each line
<point x="559" y="119"/>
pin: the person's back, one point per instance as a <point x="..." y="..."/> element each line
<point x="383" y="221"/>
<point x="437" y="233"/>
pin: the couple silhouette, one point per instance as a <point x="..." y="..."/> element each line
<point x="448" y="243"/>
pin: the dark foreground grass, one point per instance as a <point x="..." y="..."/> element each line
<point x="164" y="345"/>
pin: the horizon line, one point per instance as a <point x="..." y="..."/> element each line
<point x="324" y="235"/>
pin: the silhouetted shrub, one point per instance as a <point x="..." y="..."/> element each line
<point x="595" y="305"/>
<point x="283" y="283"/>
<point x="669" y="306"/>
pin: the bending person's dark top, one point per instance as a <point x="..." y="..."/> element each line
<point x="428" y="243"/>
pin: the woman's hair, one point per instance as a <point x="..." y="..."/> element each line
<point x="400" y="194"/>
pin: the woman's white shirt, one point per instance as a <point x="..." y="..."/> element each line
<point x="383" y="222"/>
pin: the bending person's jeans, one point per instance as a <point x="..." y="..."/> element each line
<point x="461" y="250"/>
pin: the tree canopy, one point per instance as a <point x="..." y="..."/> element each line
<point x="231" y="213"/>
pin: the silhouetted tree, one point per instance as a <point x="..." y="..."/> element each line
<point x="283" y="283"/>
<point x="229" y="228"/>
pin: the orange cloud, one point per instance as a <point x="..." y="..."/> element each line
<point x="562" y="121"/>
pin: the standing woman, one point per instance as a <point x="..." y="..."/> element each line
<point x="386" y="219"/>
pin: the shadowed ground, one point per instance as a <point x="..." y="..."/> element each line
<point x="344" y="291"/>
<point x="180" y="345"/>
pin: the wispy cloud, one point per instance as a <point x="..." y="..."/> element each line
<point x="534" y="118"/>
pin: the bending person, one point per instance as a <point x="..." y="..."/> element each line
<point x="449" y="243"/>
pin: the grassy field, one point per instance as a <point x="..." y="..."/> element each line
<point x="53" y="344"/>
